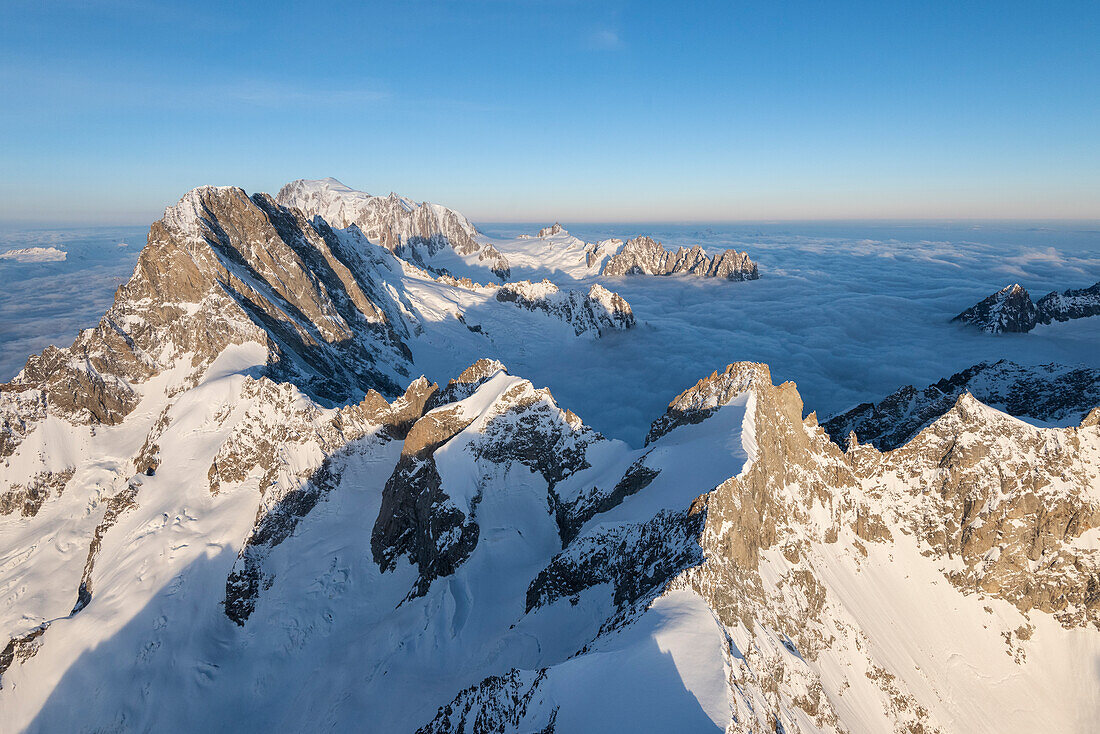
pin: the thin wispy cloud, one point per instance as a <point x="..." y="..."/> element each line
<point x="606" y="39"/>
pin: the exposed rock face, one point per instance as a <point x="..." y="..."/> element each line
<point x="1050" y="393"/>
<point x="977" y="480"/>
<point x="418" y="518"/>
<point x="20" y="649"/>
<point x="527" y="427"/>
<point x="1008" y="310"/>
<point x="637" y="560"/>
<point x="1012" y="310"/>
<point x="552" y="230"/>
<point x="571" y="515"/>
<point x="963" y="486"/>
<point x="410" y="230"/>
<point x="973" y="479"/>
<point x="699" y="402"/>
<point x="596" y="313"/>
<point x="28" y="499"/>
<point x="644" y="256"/>
<point x="20" y="411"/>
<point x="522" y="425"/>
<point x="1071" y="304"/>
<point x="499" y="703"/>
<point x="222" y="268"/>
<point x="277" y="425"/>
<point x="116" y="505"/>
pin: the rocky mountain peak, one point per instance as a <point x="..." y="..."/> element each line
<point x="223" y="268"/>
<point x="700" y="401"/>
<point x="645" y="256"/>
<point x="1008" y="310"/>
<point x="552" y="230"/>
<point x="1051" y="393"/>
<point x="595" y="313"/>
<point x="1074" y="303"/>
<point x="1012" y="310"/>
<point x="417" y="232"/>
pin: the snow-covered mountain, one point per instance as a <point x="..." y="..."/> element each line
<point x="34" y="254"/>
<point x="555" y="249"/>
<point x="443" y="241"/>
<point x="317" y="306"/>
<point x="1012" y="310"/>
<point x="1050" y="394"/>
<point x="231" y="505"/>
<point x="644" y="256"/>
<point x="417" y="232"/>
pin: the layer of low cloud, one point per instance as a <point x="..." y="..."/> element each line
<point x="848" y="313"/>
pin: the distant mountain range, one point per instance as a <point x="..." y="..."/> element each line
<point x="234" y="503"/>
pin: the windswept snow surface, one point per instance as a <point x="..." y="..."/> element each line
<point x="849" y="311"/>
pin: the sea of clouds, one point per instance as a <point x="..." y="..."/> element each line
<point x="48" y="299"/>
<point x="849" y="311"/>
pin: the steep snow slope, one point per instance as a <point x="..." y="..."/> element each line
<point x="524" y="570"/>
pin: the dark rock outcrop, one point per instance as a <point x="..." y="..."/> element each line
<point x="637" y="560"/>
<point x="116" y="505"/>
<point x="417" y="518"/>
<point x="572" y="515"/>
<point x="1012" y="310"/>
<point x="644" y="256"/>
<point x="1044" y="392"/>
<point x="255" y="445"/>
<point x="21" y="649"/>
<point x="28" y="499"/>
<point x="1071" y="304"/>
<point x="500" y="703"/>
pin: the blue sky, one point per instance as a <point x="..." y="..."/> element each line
<point x="531" y="111"/>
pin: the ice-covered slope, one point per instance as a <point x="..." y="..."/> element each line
<point x="474" y="556"/>
<point x="430" y="235"/>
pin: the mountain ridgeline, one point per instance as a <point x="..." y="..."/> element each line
<point x="1012" y="310"/>
<point x="238" y="488"/>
